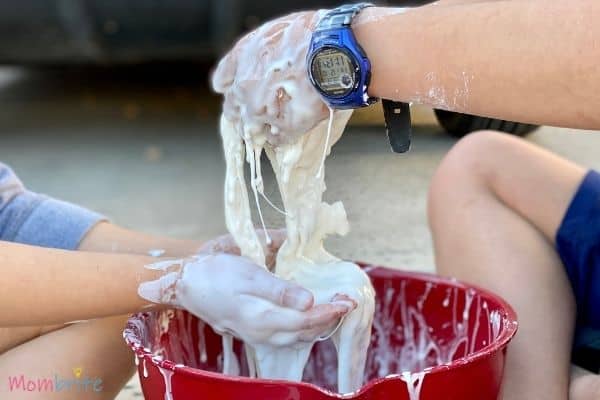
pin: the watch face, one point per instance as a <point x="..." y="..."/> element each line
<point x="333" y="71"/>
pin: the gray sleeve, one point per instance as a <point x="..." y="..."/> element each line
<point x="34" y="219"/>
<point x="10" y="186"/>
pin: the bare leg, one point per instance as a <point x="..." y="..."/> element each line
<point x="95" y="346"/>
<point x="13" y="337"/>
<point x="495" y="205"/>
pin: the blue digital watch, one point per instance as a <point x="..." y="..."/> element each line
<point x="340" y="71"/>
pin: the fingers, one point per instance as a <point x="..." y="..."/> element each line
<point x="340" y="302"/>
<point x="318" y="318"/>
<point x="344" y="299"/>
<point x="278" y="236"/>
<point x="224" y="74"/>
<point x="160" y="291"/>
<point x="297" y="298"/>
<point x="319" y="332"/>
<point x="222" y="244"/>
<point x="323" y="315"/>
<point x="289" y="326"/>
<point x="226" y="244"/>
<point x="278" y="291"/>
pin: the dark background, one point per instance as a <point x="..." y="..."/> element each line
<point x="133" y="31"/>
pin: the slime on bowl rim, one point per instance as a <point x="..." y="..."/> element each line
<point x="510" y="327"/>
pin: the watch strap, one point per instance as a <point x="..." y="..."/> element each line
<point x="341" y="16"/>
<point x="397" y="124"/>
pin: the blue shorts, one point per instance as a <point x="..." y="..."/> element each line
<point x="578" y="244"/>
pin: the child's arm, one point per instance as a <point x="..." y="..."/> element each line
<point x="109" y="238"/>
<point x="532" y="61"/>
<point x="48" y="286"/>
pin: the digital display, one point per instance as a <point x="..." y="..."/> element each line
<point x="333" y="71"/>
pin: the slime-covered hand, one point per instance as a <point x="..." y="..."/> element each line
<point x="268" y="95"/>
<point x="238" y="297"/>
<point x="226" y="244"/>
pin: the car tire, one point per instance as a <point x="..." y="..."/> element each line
<point x="459" y="125"/>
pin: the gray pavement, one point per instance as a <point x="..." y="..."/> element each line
<point x="145" y="151"/>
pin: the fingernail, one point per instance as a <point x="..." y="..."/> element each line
<point x="348" y="305"/>
<point x="300" y="299"/>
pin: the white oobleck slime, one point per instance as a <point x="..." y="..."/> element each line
<point x="302" y="257"/>
<point x="277" y="115"/>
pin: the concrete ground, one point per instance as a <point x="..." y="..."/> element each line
<point x="142" y="147"/>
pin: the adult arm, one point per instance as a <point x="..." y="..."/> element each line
<point x="532" y="61"/>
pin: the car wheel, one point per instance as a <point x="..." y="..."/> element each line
<point x="459" y="125"/>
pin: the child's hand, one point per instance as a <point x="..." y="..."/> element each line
<point x="226" y="244"/>
<point x="265" y="81"/>
<point x="238" y="297"/>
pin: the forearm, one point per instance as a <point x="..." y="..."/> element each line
<point x="109" y="238"/>
<point x="48" y="286"/>
<point x="532" y="61"/>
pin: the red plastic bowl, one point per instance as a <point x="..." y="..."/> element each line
<point x="467" y="327"/>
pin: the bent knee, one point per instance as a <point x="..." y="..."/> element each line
<point x="474" y="155"/>
<point x="468" y="168"/>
